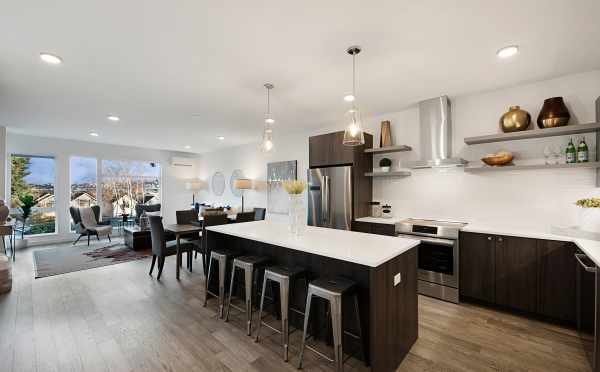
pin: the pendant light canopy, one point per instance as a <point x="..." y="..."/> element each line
<point x="267" y="141"/>
<point x="353" y="135"/>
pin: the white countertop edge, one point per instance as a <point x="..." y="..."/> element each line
<point x="295" y="243"/>
<point x="387" y="221"/>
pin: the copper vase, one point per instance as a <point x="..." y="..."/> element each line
<point x="515" y="120"/>
<point x="554" y="113"/>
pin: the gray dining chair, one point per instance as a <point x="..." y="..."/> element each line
<point x="161" y="248"/>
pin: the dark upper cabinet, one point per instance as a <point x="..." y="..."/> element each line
<point x="516" y="273"/>
<point x="328" y="149"/>
<point x="557" y="288"/>
<point x="477" y="266"/>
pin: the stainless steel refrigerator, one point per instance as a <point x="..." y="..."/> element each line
<point x="330" y="197"/>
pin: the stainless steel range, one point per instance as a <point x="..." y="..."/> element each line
<point x="438" y="255"/>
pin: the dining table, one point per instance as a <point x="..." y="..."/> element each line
<point x="180" y="230"/>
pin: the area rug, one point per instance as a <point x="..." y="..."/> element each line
<point x="68" y="258"/>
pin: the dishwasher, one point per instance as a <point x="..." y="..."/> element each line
<point x="586" y="304"/>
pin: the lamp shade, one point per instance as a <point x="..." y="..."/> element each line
<point x="243" y="184"/>
<point x="194" y="185"/>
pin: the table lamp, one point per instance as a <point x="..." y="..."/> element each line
<point x="194" y="185"/>
<point x="243" y="184"/>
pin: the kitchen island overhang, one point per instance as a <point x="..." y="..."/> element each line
<point x="384" y="268"/>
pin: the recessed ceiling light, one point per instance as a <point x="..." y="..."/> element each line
<point x="349" y="98"/>
<point x="508" y="51"/>
<point x="50" y="59"/>
<point x="93" y="133"/>
<point x="113" y="118"/>
<point x="269" y="120"/>
<point x="187" y="147"/>
<point x="220" y="138"/>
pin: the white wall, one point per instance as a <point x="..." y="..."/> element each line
<point x="173" y="193"/>
<point x="3" y="163"/>
<point x="533" y="198"/>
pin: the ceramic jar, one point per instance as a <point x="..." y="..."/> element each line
<point x="4" y="212"/>
<point x="554" y="113"/>
<point x="515" y="120"/>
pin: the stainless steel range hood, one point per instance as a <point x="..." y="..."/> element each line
<point x="436" y="135"/>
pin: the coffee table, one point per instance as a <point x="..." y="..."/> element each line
<point x="137" y="239"/>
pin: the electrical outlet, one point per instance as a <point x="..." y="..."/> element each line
<point x="397" y="279"/>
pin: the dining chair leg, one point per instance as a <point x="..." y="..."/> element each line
<point x="161" y="263"/>
<point x="152" y="265"/>
<point x="88" y="240"/>
<point x="97" y="236"/>
<point x="109" y="239"/>
<point x="178" y="263"/>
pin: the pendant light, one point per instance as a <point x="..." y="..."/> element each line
<point x="267" y="140"/>
<point x="353" y="135"/>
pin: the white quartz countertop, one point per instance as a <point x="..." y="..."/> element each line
<point x="590" y="247"/>
<point x="360" y="248"/>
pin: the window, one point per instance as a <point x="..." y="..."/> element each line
<point x="128" y="183"/>
<point x="83" y="181"/>
<point x="32" y="182"/>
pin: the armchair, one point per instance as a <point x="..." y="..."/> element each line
<point x="86" y="223"/>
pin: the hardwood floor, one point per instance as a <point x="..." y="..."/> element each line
<point x="117" y="318"/>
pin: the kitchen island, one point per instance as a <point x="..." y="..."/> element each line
<point x="384" y="268"/>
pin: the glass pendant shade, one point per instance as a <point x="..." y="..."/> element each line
<point x="267" y="144"/>
<point x="353" y="135"/>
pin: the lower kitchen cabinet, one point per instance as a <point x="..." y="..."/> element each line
<point x="477" y="270"/>
<point x="557" y="280"/>
<point x="516" y="273"/>
<point x="523" y="274"/>
<point x="374" y="228"/>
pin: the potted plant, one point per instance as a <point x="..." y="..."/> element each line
<point x="589" y="218"/>
<point x="385" y="164"/>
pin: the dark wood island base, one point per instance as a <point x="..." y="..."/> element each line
<point x="387" y="295"/>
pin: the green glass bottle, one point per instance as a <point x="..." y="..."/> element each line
<point x="571" y="153"/>
<point x="582" y="151"/>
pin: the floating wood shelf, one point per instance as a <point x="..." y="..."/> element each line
<point x="535" y="133"/>
<point x="482" y="169"/>
<point x="386" y="150"/>
<point x="388" y="174"/>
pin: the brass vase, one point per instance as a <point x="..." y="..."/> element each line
<point x="386" y="134"/>
<point x="515" y="120"/>
<point x="554" y="113"/>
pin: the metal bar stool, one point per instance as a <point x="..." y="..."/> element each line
<point x="283" y="276"/>
<point x="222" y="256"/>
<point x="333" y="291"/>
<point x="249" y="264"/>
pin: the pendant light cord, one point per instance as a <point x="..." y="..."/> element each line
<point x="354" y="75"/>
<point x="268" y="101"/>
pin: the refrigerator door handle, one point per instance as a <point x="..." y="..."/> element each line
<point x="325" y="200"/>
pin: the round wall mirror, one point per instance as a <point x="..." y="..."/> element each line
<point x="218" y="183"/>
<point x="236" y="175"/>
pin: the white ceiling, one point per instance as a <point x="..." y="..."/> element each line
<point x="183" y="72"/>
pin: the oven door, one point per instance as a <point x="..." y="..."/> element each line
<point x="438" y="260"/>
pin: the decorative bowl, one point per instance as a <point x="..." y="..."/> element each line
<point x="499" y="159"/>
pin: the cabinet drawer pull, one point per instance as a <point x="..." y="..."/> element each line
<point x="500" y="239"/>
<point x="489" y="238"/>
